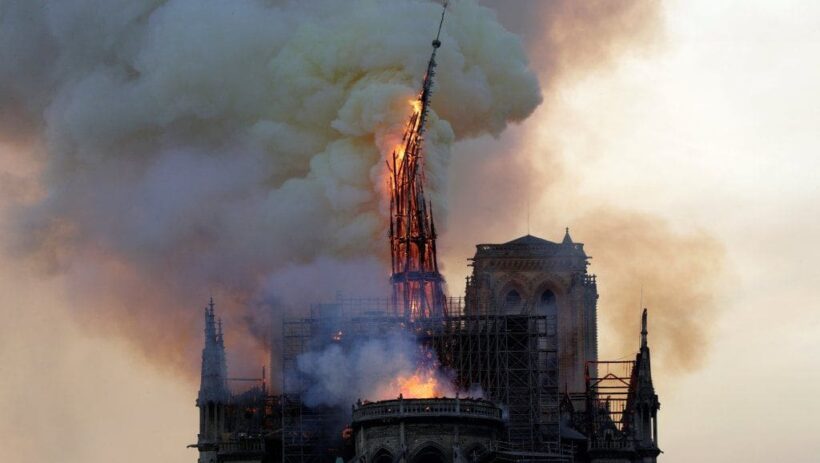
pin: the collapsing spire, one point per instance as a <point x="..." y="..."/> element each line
<point x="418" y="287"/>
<point x="214" y="380"/>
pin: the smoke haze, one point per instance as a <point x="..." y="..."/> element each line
<point x="684" y="114"/>
<point x="532" y="181"/>
<point x="370" y="369"/>
<point x="232" y="148"/>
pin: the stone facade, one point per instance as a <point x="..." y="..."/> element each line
<point x="531" y="275"/>
<point x="425" y="430"/>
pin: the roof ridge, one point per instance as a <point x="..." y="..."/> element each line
<point x="529" y="240"/>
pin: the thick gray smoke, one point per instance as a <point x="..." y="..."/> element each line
<point x="372" y="369"/>
<point x="231" y="147"/>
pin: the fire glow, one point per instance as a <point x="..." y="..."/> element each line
<point x="424" y="383"/>
<point x="418" y="288"/>
<point x="400" y="148"/>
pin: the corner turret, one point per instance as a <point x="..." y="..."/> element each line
<point x="645" y="404"/>
<point x="213" y="390"/>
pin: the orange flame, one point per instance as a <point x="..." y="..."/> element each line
<point x="424" y="383"/>
<point x="416" y="104"/>
<point x="399" y="148"/>
<point x="419" y="386"/>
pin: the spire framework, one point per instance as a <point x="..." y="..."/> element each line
<point x="418" y="287"/>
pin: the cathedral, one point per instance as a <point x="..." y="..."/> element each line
<point x="520" y="348"/>
<point x="526" y="332"/>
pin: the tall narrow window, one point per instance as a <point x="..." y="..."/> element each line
<point x="547" y="306"/>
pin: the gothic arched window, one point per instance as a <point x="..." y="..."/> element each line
<point x="429" y="455"/>
<point x="383" y="456"/>
<point x="512" y="302"/>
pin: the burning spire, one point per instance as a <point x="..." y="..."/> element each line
<point x="418" y="287"/>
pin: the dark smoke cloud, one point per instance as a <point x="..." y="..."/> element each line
<point x="231" y="148"/>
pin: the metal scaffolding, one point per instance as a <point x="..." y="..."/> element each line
<point x="609" y="384"/>
<point x="310" y="433"/>
<point x="512" y="358"/>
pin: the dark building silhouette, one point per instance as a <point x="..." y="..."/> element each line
<point x="525" y="333"/>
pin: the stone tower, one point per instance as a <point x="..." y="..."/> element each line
<point x="531" y="275"/>
<point x="213" y="390"/>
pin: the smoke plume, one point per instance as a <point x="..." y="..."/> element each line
<point x="188" y="148"/>
<point x="231" y="148"/>
<point x="639" y="256"/>
<point x="567" y="40"/>
<point x="529" y="183"/>
<point x="372" y="369"/>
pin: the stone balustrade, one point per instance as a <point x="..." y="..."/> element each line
<point x="412" y="408"/>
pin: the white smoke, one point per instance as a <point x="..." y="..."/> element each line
<point x="371" y="369"/>
<point x="224" y="146"/>
<point x="376" y="368"/>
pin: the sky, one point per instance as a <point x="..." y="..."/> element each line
<point x="716" y="129"/>
<point x="712" y="129"/>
